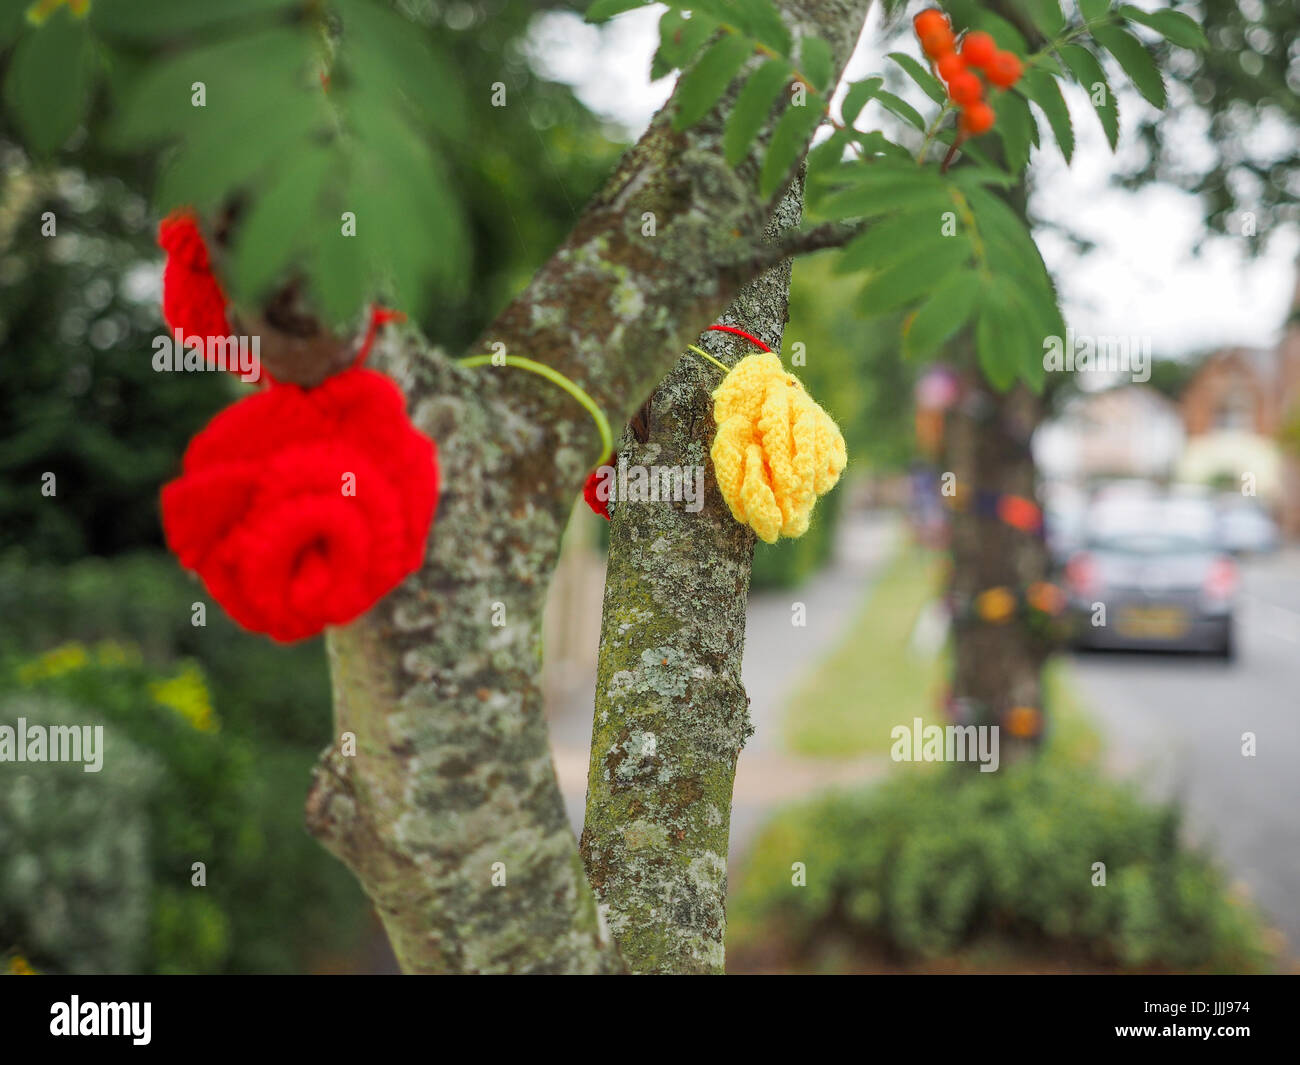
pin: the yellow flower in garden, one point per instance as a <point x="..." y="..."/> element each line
<point x="43" y="9"/>
<point x="776" y="450"/>
<point x="188" y="696"/>
<point x="20" y="966"/>
<point x="66" y="658"/>
<point x="995" y="604"/>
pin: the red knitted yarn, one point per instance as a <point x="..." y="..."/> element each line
<point x="262" y="512"/>
<point x="598" y="505"/>
<point x="192" y="299"/>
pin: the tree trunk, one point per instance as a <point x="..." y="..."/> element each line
<point x="671" y="712"/>
<point x="997" y="667"/>
<point x="449" y="812"/>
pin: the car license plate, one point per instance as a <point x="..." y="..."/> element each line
<point x="1152" y="622"/>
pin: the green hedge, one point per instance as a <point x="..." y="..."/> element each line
<point x="95" y="868"/>
<point x="931" y="862"/>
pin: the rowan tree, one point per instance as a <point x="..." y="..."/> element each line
<point x="313" y="140"/>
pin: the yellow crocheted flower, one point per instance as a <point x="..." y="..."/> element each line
<point x="776" y="450"/>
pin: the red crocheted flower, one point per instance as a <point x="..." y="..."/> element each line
<point x="192" y="299"/>
<point x="267" y="515"/>
<point x="590" y="494"/>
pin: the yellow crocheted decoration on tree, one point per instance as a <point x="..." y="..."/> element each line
<point x="776" y="450"/>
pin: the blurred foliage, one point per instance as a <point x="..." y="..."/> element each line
<point x="74" y="855"/>
<point x="392" y="114"/>
<point x="79" y="309"/>
<point x="261" y="690"/>
<point x="929" y="862"/>
<point x="852" y="368"/>
<point x="78" y="395"/>
<point x="95" y="869"/>
<point x="1247" y="84"/>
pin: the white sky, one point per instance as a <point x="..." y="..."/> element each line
<point x="1142" y="280"/>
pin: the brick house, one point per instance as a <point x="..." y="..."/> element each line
<point x="1255" y="391"/>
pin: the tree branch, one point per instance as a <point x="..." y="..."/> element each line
<point x="449" y="814"/>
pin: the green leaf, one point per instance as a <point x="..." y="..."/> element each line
<point x="753" y="106"/>
<point x="1046" y="93"/>
<point x="815" y="62"/>
<point x="1092" y="10"/>
<point x="872" y="201"/>
<point x="856" y="98"/>
<point x="906" y="279"/>
<point x="789" y="139"/>
<point x="388" y="54"/>
<point x="892" y="239"/>
<point x="48" y="84"/>
<point x="680" y="40"/>
<point x="973" y="177"/>
<point x="1174" y="26"/>
<point x="702" y="85"/>
<point x="1132" y="55"/>
<point x="286" y="218"/>
<point x="143" y="20"/>
<point x="929" y="84"/>
<point x="998" y="337"/>
<point x="1088" y="73"/>
<point x="758" y="18"/>
<point x="1016" y="126"/>
<point x="1005" y="34"/>
<point x="204" y="171"/>
<point x="238" y="73"/>
<point x="902" y="109"/>
<point x="1046" y="15"/>
<point x="946" y="311"/>
<point x="604" y="10"/>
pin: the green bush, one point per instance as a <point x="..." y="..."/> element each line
<point x="931" y="862"/>
<point x="264" y="690"/>
<point x="74" y="876"/>
<point x="273" y="899"/>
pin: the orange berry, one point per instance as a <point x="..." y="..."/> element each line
<point x="1004" y="70"/>
<point x="965" y="89"/>
<point x="978" y="49"/>
<point x="930" y="20"/>
<point x="977" y="119"/>
<point x="938" y="42"/>
<point x="950" y="66"/>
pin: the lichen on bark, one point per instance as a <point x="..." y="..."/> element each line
<point x="671" y="713"/>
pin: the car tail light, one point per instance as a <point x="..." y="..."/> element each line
<point x="1081" y="575"/>
<point x="1221" y="581"/>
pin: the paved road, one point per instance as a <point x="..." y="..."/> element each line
<point x="1177" y="722"/>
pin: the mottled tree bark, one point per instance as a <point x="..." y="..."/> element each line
<point x="449" y="813"/>
<point x="671" y="712"/>
<point x="996" y="667"/>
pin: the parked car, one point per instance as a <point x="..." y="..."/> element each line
<point x="1152" y="576"/>
<point x="1244" y="528"/>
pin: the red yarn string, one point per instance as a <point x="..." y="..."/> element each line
<point x="739" y="332"/>
<point x="379" y="317"/>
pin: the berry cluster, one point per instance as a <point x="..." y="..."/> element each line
<point x="957" y="67"/>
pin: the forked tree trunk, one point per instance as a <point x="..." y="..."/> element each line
<point x="449" y="812"/>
